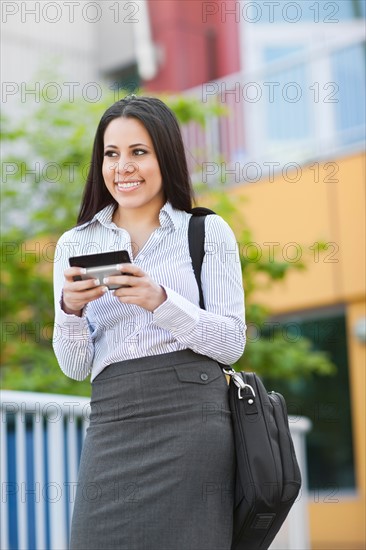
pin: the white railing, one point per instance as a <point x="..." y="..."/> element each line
<point x="295" y="533"/>
<point x="295" y="110"/>
<point x="41" y="438"/>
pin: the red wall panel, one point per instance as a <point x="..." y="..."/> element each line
<point x="197" y="42"/>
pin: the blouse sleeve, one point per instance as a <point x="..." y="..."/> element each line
<point x="219" y="330"/>
<point x="72" y="339"/>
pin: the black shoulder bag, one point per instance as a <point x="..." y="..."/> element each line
<point x="268" y="477"/>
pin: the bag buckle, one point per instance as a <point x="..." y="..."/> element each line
<point x="238" y="381"/>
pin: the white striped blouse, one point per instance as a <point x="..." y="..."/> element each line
<point x="109" y="331"/>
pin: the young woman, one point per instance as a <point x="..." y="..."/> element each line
<point x="157" y="467"/>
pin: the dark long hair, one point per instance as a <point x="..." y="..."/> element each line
<point x="162" y="126"/>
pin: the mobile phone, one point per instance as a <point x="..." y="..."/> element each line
<point x="99" y="266"/>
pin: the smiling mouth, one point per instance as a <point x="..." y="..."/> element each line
<point x="121" y="186"/>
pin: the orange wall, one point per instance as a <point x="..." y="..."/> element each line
<point x="307" y="212"/>
<point x="333" y="211"/>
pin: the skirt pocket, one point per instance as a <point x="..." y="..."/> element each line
<point x="200" y="372"/>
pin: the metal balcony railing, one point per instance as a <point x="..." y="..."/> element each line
<point x="41" y="440"/>
<point x="299" y="109"/>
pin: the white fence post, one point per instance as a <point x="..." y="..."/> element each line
<point x="39" y="418"/>
<point x="56" y="481"/>
<point x="4" y="531"/>
<point x="294" y="534"/>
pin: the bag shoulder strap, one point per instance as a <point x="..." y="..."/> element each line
<point x="196" y="240"/>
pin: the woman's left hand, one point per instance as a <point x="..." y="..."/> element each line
<point x="139" y="290"/>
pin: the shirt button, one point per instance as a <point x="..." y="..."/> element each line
<point x="204" y="376"/>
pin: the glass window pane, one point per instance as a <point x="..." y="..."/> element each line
<point x="349" y="74"/>
<point x="287" y="107"/>
<point x="326" y="401"/>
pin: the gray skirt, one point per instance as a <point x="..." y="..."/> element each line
<point x="158" y="465"/>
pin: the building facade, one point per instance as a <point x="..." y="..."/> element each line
<point x="291" y="76"/>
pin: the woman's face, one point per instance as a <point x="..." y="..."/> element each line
<point x="130" y="168"/>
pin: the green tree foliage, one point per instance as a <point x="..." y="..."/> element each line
<point x="46" y="159"/>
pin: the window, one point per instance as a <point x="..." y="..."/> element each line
<point x="348" y="67"/>
<point x="326" y="401"/>
<point x="288" y="115"/>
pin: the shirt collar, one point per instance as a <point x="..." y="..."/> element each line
<point x="168" y="217"/>
<point x="103" y="216"/>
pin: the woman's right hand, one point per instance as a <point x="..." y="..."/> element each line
<point x="76" y="294"/>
